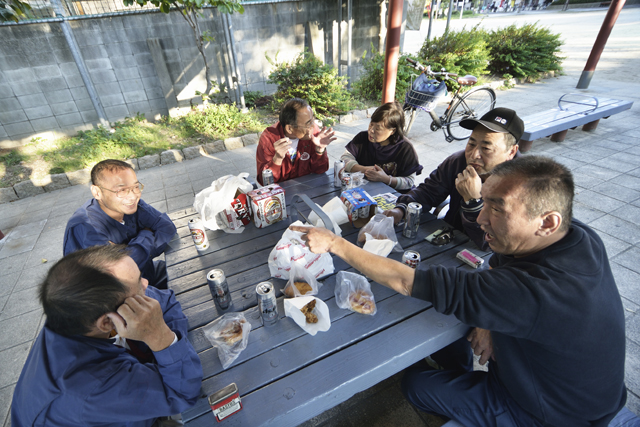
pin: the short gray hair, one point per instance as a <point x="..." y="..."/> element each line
<point x="548" y="185"/>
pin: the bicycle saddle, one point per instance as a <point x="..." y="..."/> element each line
<point x="467" y="80"/>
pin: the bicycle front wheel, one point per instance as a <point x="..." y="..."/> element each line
<point x="410" y="114"/>
<point x="473" y="104"/>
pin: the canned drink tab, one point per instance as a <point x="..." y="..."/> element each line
<point x="411" y="258"/>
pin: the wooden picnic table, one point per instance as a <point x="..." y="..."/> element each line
<point x="286" y="376"/>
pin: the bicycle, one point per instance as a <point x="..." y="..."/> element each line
<point x="472" y="104"/>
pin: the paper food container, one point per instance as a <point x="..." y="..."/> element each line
<point x="292" y="308"/>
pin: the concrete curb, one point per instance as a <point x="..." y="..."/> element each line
<point x="50" y="183"/>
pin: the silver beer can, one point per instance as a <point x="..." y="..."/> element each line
<point x="412" y="220"/>
<point x="411" y="258"/>
<point x="198" y="234"/>
<point x="267" y="305"/>
<point x="219" y="288"/>
<point x="267" y="177"/>
<point x="337" y="167"/>
<point x="363" y="212"/>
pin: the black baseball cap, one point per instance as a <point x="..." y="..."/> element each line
<point x="503" y="120"/>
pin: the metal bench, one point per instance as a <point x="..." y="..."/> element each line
<point x="573" y="110"/>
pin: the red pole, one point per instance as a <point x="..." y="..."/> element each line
<point x="392" y="51"/>
<point x="601" y="41"/>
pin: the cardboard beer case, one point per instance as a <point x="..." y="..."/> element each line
<point x="355" y="200"/>
<point x="238" y="213"/>
<point x="267" y="205"/>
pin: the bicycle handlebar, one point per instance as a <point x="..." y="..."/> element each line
<point x="427" y="69"/>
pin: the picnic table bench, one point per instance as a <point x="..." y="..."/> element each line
<point x="573" y="110"/>
<point x="286" y="376"/>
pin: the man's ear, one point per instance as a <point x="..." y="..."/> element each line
<point x="104" y="324"/>
<point x="551" y="222"/>
<point x="513" y="150"/>
<point x="95" y="191"/>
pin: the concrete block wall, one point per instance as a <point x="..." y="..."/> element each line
<point x="43" y="95"/>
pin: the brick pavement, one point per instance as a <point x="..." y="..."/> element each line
<point x="605" y="162"/>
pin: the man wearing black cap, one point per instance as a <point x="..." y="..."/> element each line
<point x="460" y="175"/>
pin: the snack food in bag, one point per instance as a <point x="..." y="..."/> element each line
<point x="229" y="333"/>
<point x="353" y="292"/>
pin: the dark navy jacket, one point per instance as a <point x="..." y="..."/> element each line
<point x="557" y="324"/>
<point x="91" y="226"/>
<point x="82" y="381"/>
<point x="441" y="184"/>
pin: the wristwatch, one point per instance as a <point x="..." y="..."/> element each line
<point x="472" y="201"/>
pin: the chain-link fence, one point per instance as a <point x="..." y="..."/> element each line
<point x="43" y="9"/>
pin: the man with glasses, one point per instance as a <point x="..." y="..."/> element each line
<point x="117" y="215"/>
<point x="294" y="146"/>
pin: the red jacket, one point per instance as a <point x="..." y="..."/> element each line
<point x="307" y="160"/>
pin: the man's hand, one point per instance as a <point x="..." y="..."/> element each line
<point x="396" y="213"/>
<point x="377" y="174"/>
<point x="140" y="318"/>
<point x="469" y="184"/>
<point x="281" y="147"/>
<point x="324" y="138"/>
<point x="319" y="240"/>
<point x="481" y="344"/>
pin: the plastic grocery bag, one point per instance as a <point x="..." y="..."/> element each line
<point x="380" y="227"/>
<point x="353" y="292"/>
<point x="212" y="201"/>
<point x="229" y="333"/>
<point x="292" y="307"/>
<point x="301" y="282"/>
<point x="291" y="248"/>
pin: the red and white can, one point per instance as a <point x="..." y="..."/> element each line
<point x="225" y="402"/>
<point x="198" y="234"/>
<point x="411" y="258"/>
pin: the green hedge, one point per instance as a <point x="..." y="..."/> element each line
<point x="524" y="52"/>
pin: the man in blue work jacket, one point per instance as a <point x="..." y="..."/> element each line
<point x="116" y="215"/>
<point x="113" y="352"/>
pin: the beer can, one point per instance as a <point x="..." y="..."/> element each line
<point x="267" y="305"/>
<point x="345" y="181"/>
<point x="219" y="288"/>
<point x="354" y="214"/>
<point x="267" y="177"/>
<point x="363" y="212"/>
<point x="412" y="220"/>
<point x="198" y="234"/>
<point x="411" y="258"/>
<point x="225" y="402"/>
<point x="337" y="167"/>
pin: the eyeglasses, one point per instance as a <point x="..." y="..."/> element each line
<point x="124" y="192"/>
<point x="306" y="126"/>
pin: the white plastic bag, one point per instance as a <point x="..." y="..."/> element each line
<point x="291" y="248"/>
<point x="229" y="333"/>
<point x="353" y="292"/>
<point x="380" y="227"/>
<point x="218" y="196"/>
<point x="292" y="307"/>
<point x="300" y="274"/>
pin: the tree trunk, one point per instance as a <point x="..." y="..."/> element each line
<point x="191" y="16"/>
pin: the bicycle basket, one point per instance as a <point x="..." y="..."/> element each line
<point x="424" y="93"/>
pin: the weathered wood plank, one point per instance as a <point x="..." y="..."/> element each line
<point x="263" y="369"/>
<point x="319" y="386"/>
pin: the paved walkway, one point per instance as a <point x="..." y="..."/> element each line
<point x="606" y="166"/>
